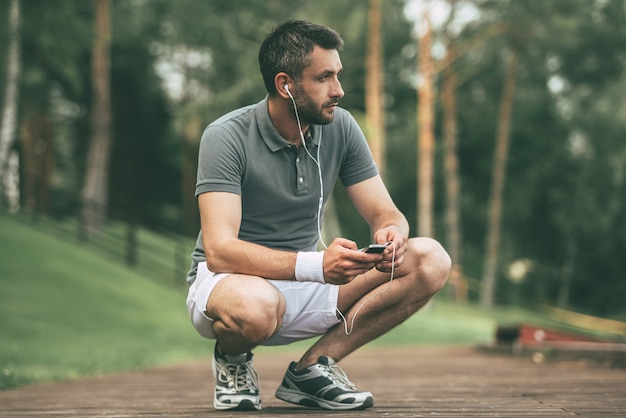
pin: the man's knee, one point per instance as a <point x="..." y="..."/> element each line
<point x="432" y="263"/>
<point x="255" y="314"/>
<point x="261" y="318"/>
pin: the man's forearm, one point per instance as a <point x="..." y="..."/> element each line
<point x="241" y="257"/>
<point x="393" y="220"/>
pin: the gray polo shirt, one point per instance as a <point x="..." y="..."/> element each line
<point x="279" y="184"/>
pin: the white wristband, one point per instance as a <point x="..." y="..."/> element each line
<point x="310" y="266"/>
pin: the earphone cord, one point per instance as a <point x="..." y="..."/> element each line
<point x="319" y="217"/>
<point x="345" y="321"/>
<point x="319" y="168"/>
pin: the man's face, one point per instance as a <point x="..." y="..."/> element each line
<point x="319" y="91"/>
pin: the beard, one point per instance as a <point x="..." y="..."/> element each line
<point x="310" y="112"/>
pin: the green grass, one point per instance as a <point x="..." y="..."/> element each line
<point x="69" y="310"/>
<point x="440" y="323"/>
<point x="443" y="322"/>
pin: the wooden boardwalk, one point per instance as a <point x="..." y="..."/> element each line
<point x="417" y="382"/>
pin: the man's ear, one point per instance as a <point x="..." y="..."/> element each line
<point x="281" y="83"/>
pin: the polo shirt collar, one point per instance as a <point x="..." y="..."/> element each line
<point x="270" y="135"/>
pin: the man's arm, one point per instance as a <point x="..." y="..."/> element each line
<point x="388" y="224"/>
<point x="220" y="217"/>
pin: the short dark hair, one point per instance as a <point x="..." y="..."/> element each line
<point x="288" y="48"/>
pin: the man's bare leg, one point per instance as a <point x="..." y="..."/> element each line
<point x="422" y="274"/>
<point x="247" y="310"/>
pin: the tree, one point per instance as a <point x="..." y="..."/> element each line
<point x="562" y="210"/>
<point x="451" y="163"/>
<point x="498" y="182"/>
<point x="95" y="190"/>
<point x="426" y="135"/>
<point x="11" y="94"/>
<point x="374" y="106"/>
<point x="37" y="151"/>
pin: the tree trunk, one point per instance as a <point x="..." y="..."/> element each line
<point x="497" y="188"/>
<point x="426" y="136"/>
<point x="95" y="190"/>
<point x="9" y="111"/>
<point x="451" y="163"/>
<point x="567" y="272"/>
<point x="374" y="106"/>
<point x="191" y="124"/>
<point x="38" y="159"/>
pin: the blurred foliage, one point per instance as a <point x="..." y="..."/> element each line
<point x="176" y="66"/>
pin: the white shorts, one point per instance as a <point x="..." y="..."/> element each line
<point x="311" y="308"/>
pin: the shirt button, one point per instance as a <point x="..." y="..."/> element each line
<point x="300" y="179"/>
<point x="298" y="159"/>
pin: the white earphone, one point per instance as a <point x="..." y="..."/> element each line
<point x="347" y="330"/>
<point x="315" y="160"/>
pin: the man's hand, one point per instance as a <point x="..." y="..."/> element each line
<point x="394" y="253"/>
<point x="343" y="262"/>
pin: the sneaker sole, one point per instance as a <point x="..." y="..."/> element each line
<point x="303" y="399"/>
<point x="244" y="405"/>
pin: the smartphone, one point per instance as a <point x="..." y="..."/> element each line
<point x="375" y="248"/>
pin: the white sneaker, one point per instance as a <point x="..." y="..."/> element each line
<point x="322" y="385"/>
<point x="236" y="384"/>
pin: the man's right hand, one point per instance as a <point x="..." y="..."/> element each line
<point x="343" y="261"/>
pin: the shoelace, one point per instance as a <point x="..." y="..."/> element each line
<point x="238" y="375"/>
<point x="338" y="376"/>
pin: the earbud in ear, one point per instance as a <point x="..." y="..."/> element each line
<point x="286" y="87"/>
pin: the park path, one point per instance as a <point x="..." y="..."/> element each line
<point x="414" y="382"/>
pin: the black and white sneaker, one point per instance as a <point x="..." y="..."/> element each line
<point x="322" y="385"/>
<point x="236" y="383"/>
